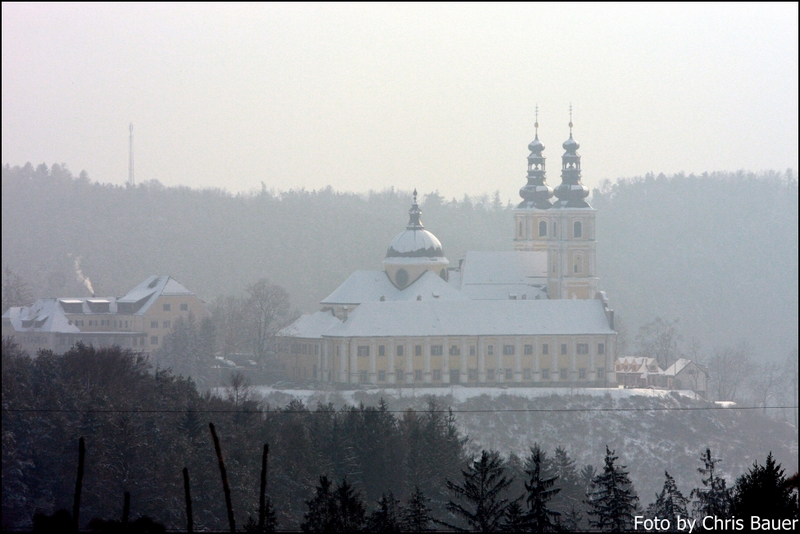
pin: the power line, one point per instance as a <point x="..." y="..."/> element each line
<point x="315" y="412"/>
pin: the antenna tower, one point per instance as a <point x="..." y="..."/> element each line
<point x="130" y="160"/>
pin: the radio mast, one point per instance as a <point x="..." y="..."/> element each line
<point x="130" y="160"/>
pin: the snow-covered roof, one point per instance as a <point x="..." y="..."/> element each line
<point x="496" y="275"/>
<point x="45" y="315"/>
<point x="640" y="364"/>
<point x="370" y="286"/>
<point x="677" y="367"/>
<point x="474" y="318"/>
<point x="311" y="326"/>
<point x="150" y="289"/>
<point x="503" y="267"/>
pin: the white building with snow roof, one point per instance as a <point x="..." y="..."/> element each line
<point x="138" y="320"/>
<point x="527" y="317"/>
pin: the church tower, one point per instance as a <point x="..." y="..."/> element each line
<point x="565" y="229"/>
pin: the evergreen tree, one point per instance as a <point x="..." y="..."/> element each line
<point x="337" y="510"/>
<point x="515" y="517"/>
<point x="670" y="503"/>
<point x="714" y="498"/>
<point x="540" y="490"/>
<point x="417" y="515"/>
<point x="388" y="516"/>
<point x="571" y="520"/>
<point x="484" y="482"/>
<point x="572" y="491"/>
<point x="763" y="491"/>
<point x="613" y="500"/>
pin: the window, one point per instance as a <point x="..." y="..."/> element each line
<point x="528" y="350"/>
<point x="436" y="350"/>
<point x="362" y="376"/>
<point x="542" y="228"/>
<point x="582" y="373"/>
<point x="184" y="307"/>
<point x="563" y="348"/>
<point x="455" y="376"/>
<point x="153" y="324"/>
<point x="381" y="350"/>
<point x="167" y="307"/>
<point x="472" y="350"/>
<point x="400" y="375"/>
<point x="509" y="374"/>
<point x="473" y="375"/>
<point x="437" y="374"/>
<point x="526" y="374"/>
<point x="545" y="374"/>
<point x="166" y="324"/>
<point x="490" y="374"/>
<point x="577" y="230"/>
<point x="490" y="350"/>
<point x="382" y="376"/>
<point x="363" y="350"/>
<point x="578" y="265"/>
<point x="601" y="371"/>
<point x="454" y="350"/>
<point x="154" y="340"/>
<point x="601" y="348"/>
<point x="554" y="229"/>
<point x="545" y="349"/>
<point x="508" y="350"/>
<point x="520" y="228"/>
<point x="417" y="350"/>
<point x="418" y="375"/>
<point x="583" y="348"/>
<point x="399" y="350"/>
<point x="562" y="373"/>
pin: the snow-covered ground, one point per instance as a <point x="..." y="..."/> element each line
<point x="458" y="393"/>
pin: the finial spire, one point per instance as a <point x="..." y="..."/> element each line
<point x="570" y="119"/>
<point x="536" y="124"/>
<point x="415" y="195"/>
<point x="414" y="222"/>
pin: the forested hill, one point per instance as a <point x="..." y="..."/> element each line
<point x="719" y="252"/>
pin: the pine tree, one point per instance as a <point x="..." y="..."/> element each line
<point x="670" y="503"/>
<point x="613" y="499"/>
<point x="484" y="482"/>
<point x="763" y="491"/>
<point x="417" y="515"/>
<point x="714" y="498"/>
<point x="321" y="515"/>
<point x="540" y="490"/>
<point x="572" y="492"/>
<point x="515" y="518"/>
<point x="334" y="510"/>
<point x="388" y="516"/>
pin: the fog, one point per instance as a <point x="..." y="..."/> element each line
<point x="359" y="97"/>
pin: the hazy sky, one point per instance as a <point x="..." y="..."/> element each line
<point x="433" y="96"/>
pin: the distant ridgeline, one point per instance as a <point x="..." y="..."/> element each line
<point x="718" y="251"/>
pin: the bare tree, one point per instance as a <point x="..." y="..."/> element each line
<point x="729" y="369"/>
<point x="228" y="314"/>
<point x="267" y="309"/>
<point x="765" y="383"/>
<point x="16" y="291"/>
<point x="659" y="339"/>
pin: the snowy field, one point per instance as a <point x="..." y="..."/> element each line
<point x="458" y="394"/>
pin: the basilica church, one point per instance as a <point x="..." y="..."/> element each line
<point x="531" y="316"/>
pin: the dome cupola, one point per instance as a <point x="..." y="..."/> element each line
<point x="414" y="251"/>
<point x="571" y="193"/>
<point x="536" y="193"/>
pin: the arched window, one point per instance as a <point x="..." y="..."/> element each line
<point x="542" y="228"/>
<point x="577" y="266"/>
<point x="577" y="230"/>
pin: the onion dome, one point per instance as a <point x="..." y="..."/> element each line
<point x="571" y="193"/>
<point x="536" y="193"/>
<point x="415" y="241"/>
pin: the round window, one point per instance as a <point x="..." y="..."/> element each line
<point x="401" y="278"/>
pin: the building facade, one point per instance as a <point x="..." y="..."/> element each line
<point x="139" y="320"/>
<point x="531" y="316"/>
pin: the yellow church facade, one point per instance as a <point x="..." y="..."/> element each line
<point x="527" y="317"/>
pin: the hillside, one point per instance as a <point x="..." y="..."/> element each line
<point x="717" y="251"/>
<point x="644" y="427"/>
